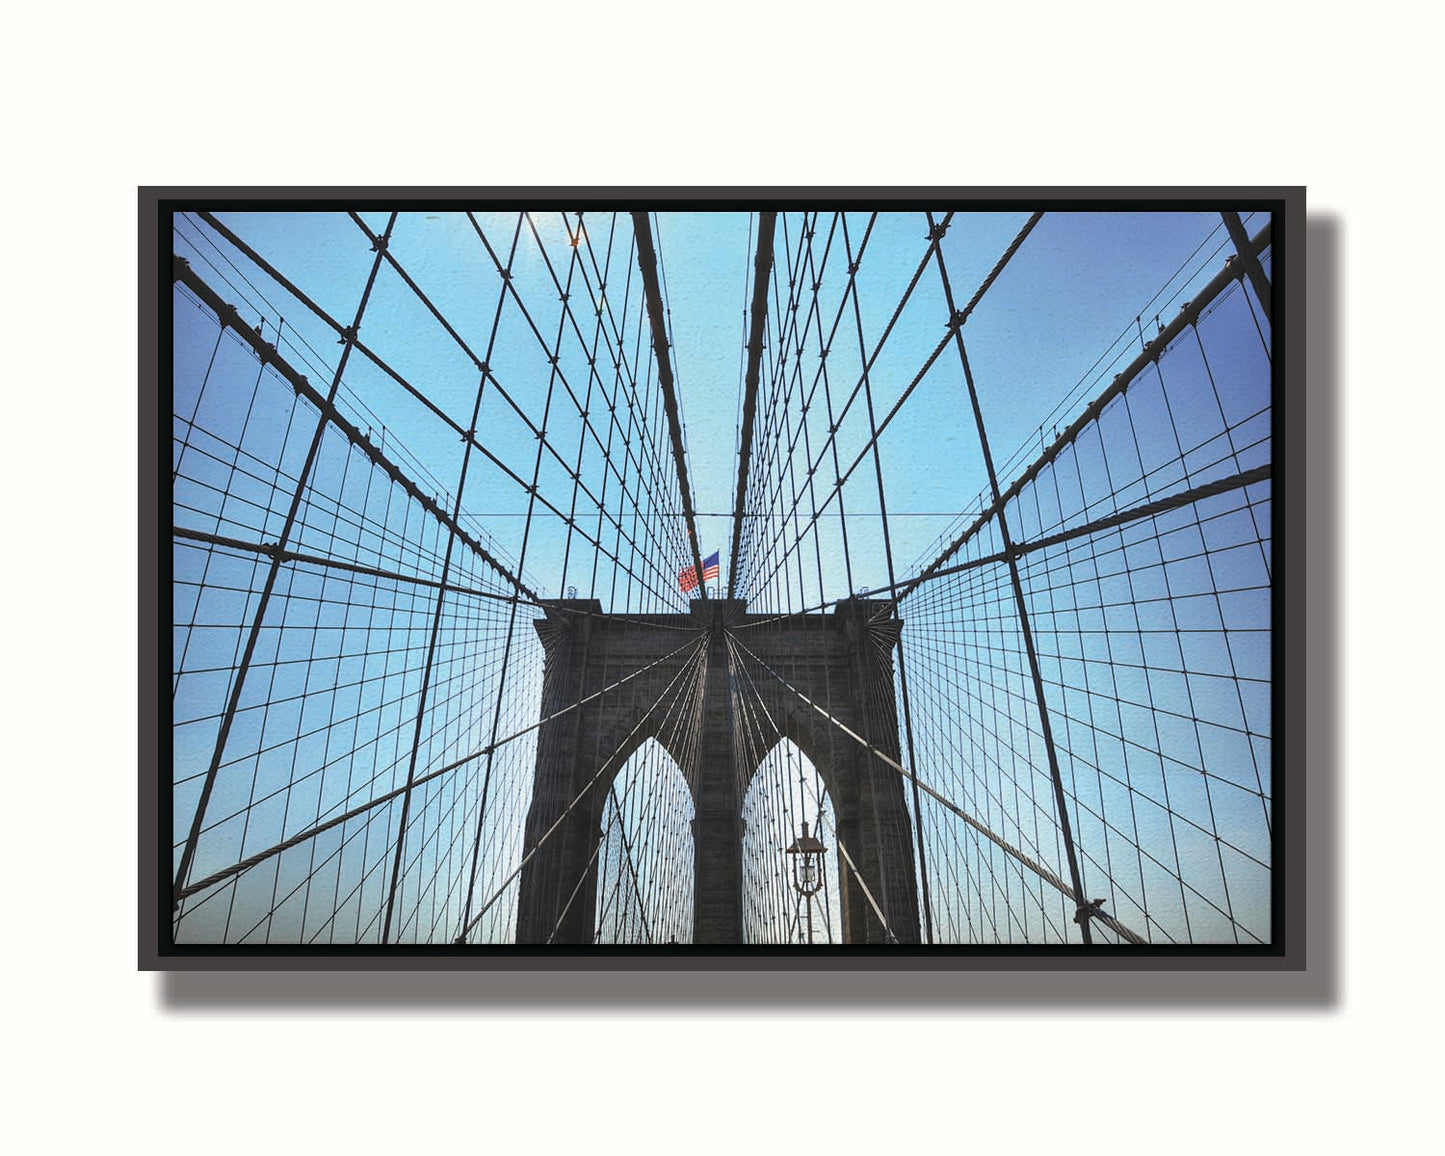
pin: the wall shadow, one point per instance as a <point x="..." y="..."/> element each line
<point x="594" y="981"/>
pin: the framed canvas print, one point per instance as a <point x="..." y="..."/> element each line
<point x="782" y="577"/>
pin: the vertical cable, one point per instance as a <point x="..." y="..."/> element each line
<point x="189" y="853"/>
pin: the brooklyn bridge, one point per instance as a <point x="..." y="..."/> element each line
<point x="775" y="576"/>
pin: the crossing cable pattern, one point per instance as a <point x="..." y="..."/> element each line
<point x="1076" y="670"/>
<point x="1083" y="672"/>
<point x="678" y="702"/>
<point x="645" y="885"/>
<point x="1152" y="632"/>
<point x="373" y="748"/>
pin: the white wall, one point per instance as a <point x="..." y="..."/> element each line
<point x="909" y="94"/>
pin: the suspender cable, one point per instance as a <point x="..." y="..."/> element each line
<point x="1189" y="497"/>
<point x="1186" y="317"/>
<point x="441" y="596"/>
<point x="892" y="580"/>
<point x="381" y="800"/>
<point x="228" y="315"/>
<point x="694" y="661"/>
<point x="1086" y="909"/>
<point x="1060" y="802"/>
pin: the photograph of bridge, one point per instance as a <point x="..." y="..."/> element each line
<point x="786" y="575"/>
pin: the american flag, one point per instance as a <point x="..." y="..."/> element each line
<point x="687" y="578"/>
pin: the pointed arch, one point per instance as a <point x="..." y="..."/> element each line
<point x="645" y="859"/>
<point x="787" y="789"/>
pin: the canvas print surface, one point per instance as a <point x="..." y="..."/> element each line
<point x="764" y="577"/>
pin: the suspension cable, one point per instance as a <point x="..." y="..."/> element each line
<point x="762" y="268"/>
<point x="690" y="666"/>
<point x="1038" y="868"/>
<point x="647" y="262"/>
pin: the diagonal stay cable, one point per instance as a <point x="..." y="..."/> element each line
<point x="321" y="828"/>
<point x="483" y="364"/>
<point x="892" y="578"/>
<point x="272" y="549"/>
<point x="348" y="335"/>
<point x="587" y="869"/>
<point x="836" y="423"/>
<point x="998" y="268"/>
<point x="631" y="870"/>
<point x="935" y="236"/>
<point x="228" y="316"/>
<point x="743" y="679"/>
<point x="427" y="668"/>
<point x="342" y="331"/>
<point x="1038" y="868"/>
<point x="848" y="860"/>
<point x="685" y="709"/>
<point x="858" y="878"/>
<point x="1186" y="317"/>
<point x="238" y="682"/>
<point x="957" y="320"/>
<point x="1249" y="254"/>
<point x="699" y="646"/>
<point x="904" y="588"/>
<point x="1025" y="627"/>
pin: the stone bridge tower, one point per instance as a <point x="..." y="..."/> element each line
<point x="842" y="661"/>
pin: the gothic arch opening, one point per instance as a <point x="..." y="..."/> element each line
<point x="645" y="856"/>
<point x="787" y="791"/>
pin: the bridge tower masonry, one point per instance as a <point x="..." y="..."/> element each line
<point x="718" y="713"/>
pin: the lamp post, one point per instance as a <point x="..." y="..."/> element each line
<point x="807" y="855"/>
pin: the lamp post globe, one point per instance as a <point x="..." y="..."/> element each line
<point x="806" y="854"/>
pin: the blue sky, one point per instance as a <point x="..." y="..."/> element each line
<point x="1068" y="299"/>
